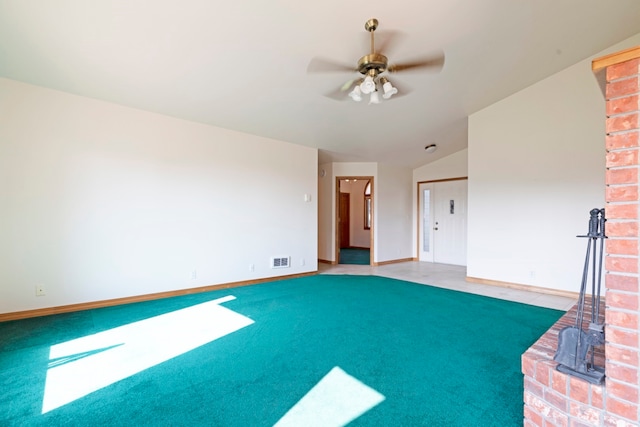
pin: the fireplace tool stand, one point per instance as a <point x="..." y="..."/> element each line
<point x="575" y="354"/>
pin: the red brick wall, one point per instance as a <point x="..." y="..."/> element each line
<point x="622" y="312"/>
<point x="551" y="397"/>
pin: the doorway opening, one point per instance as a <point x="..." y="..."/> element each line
<point x="354" y="220"/>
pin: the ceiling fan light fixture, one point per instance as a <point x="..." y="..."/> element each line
<point x="374" y="99"/>
<point x="368" y="85"/>
<point x="388" y="88"/>
<point x="356" y="94"/>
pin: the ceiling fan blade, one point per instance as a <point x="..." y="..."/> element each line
<point x="347" y="85"/>
<point x="322" y="65"/>
<point x="386" y="41"/>
<point x="339" y="94"/>
<point x="435" y="62"/>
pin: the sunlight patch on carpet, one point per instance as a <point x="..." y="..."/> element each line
<point x="84" y="365"/>
<point x="336" y="400"/>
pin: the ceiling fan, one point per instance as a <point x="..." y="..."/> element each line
<point x="372" y="66"/>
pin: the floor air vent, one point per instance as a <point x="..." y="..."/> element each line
<point x="280" y="262"/>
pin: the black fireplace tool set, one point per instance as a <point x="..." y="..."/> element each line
<point x="575" y="354"/>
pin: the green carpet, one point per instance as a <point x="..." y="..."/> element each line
<point x="439" y="357"/>
<point x="354" y="256"/>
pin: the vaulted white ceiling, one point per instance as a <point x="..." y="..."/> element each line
<point x="243" y="65"/>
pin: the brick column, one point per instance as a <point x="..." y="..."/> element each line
<point x="622" y="264"/>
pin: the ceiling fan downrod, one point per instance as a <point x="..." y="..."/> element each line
<point x="371" y="26"/>
<point x="373" y="63"/>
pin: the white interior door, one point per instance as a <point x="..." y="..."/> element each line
<point x="443" y="222"/>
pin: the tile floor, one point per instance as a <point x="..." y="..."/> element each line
<point x="450" y="277"/>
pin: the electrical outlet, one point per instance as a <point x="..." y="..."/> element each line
<point x="302" y="261"/>
<point x="194" y="274"/>
<point x="252" y="267"/>
<point x="40" y="291"/>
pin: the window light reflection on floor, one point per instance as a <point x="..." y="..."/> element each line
<point x="335" y="401"/>
<point x="84" y="365"/>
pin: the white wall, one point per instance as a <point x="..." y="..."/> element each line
<point x="536" y="168"/>
<point x="453" y="166"/>
<point x="326" y="213"/>
<point x="393" y="216"/>
<point x="99" y="201"/>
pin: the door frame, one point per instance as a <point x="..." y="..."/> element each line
<point x="344" y="209"/>
<point x="418" y="218"/>
<point x="336" y="216"/>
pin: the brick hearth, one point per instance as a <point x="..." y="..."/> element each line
<point x="553" y="396"/>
